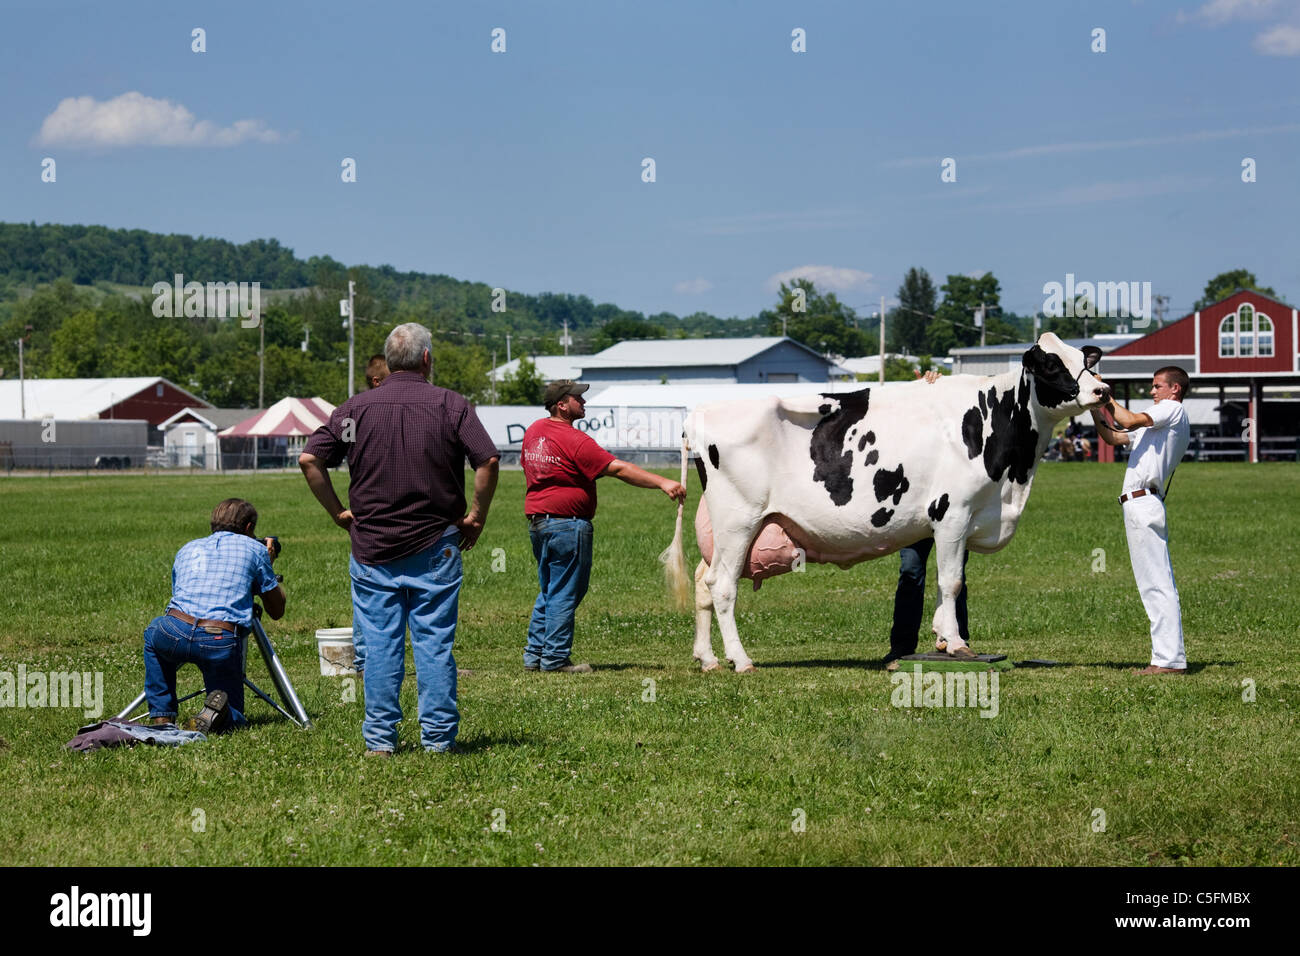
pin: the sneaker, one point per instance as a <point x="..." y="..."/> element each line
<point x="214" y="716"/>
<point x="568" y="667"/>
<point x="379" y="753"/>
<point x="445" y="749"/>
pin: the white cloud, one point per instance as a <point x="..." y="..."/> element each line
<point x="134" y="119"/>
<point x="693" y="287"/>
<point x="1221" y="11"/>
<point x="1281" y="40"/>
<point x="1092" y="146"/>
<point x="835" y="278"/>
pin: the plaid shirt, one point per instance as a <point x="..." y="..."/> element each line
<point x="215" y="577"/>
<point x="406" y="443"/>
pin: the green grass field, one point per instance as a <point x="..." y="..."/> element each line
<point x="582" y="770"/>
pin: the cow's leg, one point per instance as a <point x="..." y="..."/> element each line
<point x="730" y="553"/>
<point x="948" y="555"/>
<point x="704" y="621"/>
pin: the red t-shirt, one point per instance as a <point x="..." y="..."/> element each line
<point x="560" y="466"/>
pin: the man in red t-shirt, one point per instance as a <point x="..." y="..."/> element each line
<point x="561" y="465"/>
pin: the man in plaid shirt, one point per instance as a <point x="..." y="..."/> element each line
<point x="214" y="580"/>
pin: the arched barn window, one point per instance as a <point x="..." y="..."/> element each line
<point x="1245" y="334"/>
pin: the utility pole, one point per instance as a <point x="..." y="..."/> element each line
<point x="1161" y="307"/>
<point x="352" y="337"/>
<point x="979" y="316"/>
<point x="494" y="376"/>
<point x="306" y="331"/>
<point x="261" y="362"/>
<point x="564" y="339"/>
<point x="507" y="349"/>
<point x="22" y="382"/>
<point x="882" y="340"/>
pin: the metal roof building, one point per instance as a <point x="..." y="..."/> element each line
<point x="152" y="399"/>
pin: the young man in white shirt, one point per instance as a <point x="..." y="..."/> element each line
<point x="1159" y="439"/>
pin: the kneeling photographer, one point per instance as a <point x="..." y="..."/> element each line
<point x="214" y="581"/>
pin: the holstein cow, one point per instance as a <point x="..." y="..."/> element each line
<point x="841" y="478"/>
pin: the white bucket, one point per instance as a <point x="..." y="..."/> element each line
<point x="334" y="647"/>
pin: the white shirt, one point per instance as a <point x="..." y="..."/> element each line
<point x="1157" y="449"/>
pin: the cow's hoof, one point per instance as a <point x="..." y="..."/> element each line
<point x="963" y="653"/>
<point x="746" y="668"/>
<point x="940" y="645"/>
<point x="706" y="666"/>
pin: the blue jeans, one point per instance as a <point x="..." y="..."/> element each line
<point x="421" y="591"/>
<point x="562" y="547"/>
<point x="909" y="599"/>
<point x="169" y="642"/>
<point x="358" y="639"/>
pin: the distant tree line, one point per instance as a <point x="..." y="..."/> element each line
<point x="80" y="298"/>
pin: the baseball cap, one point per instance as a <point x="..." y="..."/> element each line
<point x="557" y="390"/>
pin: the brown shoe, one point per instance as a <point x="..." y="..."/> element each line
<point x="1152" y="669"/>
<point x="379" y="753"/>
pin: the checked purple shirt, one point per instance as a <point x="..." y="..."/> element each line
<point x="409" y="441"/>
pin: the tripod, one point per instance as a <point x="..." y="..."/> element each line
<point x="279" y="677"/>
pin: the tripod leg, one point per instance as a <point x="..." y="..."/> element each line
<point x="129" y="709"/>
<point x="279" y="677"/>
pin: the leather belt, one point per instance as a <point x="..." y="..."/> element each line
<point x="208" y="625"/>
<point x="538" y="519"/>
<point x="1141" y="492"/>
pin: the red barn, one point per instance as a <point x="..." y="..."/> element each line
<point x="1247" y="344"/>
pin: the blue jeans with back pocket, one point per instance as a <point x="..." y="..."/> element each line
<point x="421" y="592"/>
<point x="562" y="547"/>
<point x="169" y="642"/>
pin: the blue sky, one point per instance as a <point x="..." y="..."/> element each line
<point x="523" y="169"/>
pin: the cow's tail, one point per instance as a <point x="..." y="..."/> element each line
<point x="674" y="556"/>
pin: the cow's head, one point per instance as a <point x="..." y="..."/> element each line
<point x="1064" y="383"/>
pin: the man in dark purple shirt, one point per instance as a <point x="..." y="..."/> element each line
<point x="406" y="445"/>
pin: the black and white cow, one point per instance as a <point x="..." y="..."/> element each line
<point x="841" y="478"/>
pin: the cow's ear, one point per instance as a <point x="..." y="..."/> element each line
<point x="1036" y="361"/>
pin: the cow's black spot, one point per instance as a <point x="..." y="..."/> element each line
<point x="1055" y="386"/>
<point x="713" y="455"/>
<point x="984" y="410"/>
<point x="873" y="456"/>
<point x="823" y="409"/>
<point x="1012" y="444"/>
<point x="939" y="507"/>
<point x="890" y="483"/>
<point x="881" y="517"/>
<point x="831" y="463"/>
<point x="871" y="438"/>
<point x="704" y="477"/>
<point x="972" y="428"/>
<point x="862" y="443"/>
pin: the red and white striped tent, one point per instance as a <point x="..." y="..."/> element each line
<point x="287" y="418"/>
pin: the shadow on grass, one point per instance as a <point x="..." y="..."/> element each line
<point x="1192" y="668"/>
<point x="628" y="667"/>
<point x="855" y="663"/>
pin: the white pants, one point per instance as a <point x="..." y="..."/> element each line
<point x="1148" y="551"/>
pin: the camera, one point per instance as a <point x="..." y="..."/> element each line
<point x="274" y="544"/>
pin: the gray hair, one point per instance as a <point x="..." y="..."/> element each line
<point x="405" y="347"/>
